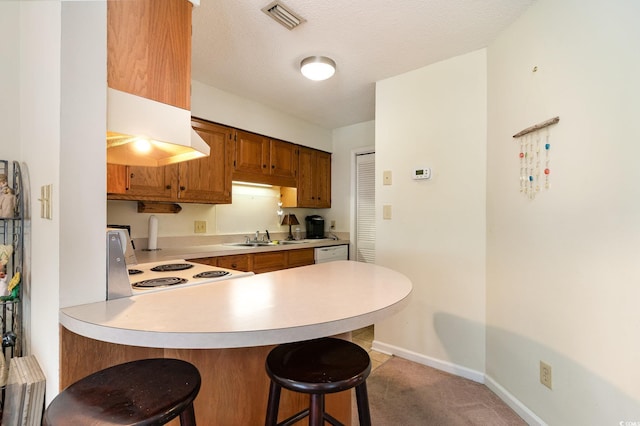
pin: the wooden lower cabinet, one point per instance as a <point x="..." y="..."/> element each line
<point x="239" y="262"/>
<point x="261" y="262"/>
<point x="300" y="257"/>
<point x="269" y="261"/>
<point x="235" y="386"/>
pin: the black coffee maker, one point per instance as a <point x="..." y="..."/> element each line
<point x="315" y="226"/>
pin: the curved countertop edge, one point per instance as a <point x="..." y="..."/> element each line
<point x="222" y="340"/>
<point x="95" y="327"/>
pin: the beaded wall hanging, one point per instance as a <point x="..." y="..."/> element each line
<point x="534" y="156"/>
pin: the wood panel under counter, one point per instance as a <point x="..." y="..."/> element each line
<point x="226" y="329"/>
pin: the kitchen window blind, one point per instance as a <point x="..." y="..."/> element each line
<point x="365" y="208"/>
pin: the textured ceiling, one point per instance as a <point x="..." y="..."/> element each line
<point x="239" y="49"/>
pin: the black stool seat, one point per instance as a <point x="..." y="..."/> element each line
<point x="317" y="367"/>
<point x="144" y="392"/>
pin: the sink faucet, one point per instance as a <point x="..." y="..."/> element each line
<point x="268" y="236"/>
<point x="257" y="235"/>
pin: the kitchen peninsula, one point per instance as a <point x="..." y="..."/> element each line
<point x="227" y="328"/>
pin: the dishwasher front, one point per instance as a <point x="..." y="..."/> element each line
<point x="329" y="254"/>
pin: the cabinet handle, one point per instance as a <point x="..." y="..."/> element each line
<point x="234" y="265"/>
<point x="182" y="188"/>
<point x="273" y="166"/>
<point x="264" y="166"/>
<point x="168" y="186"/>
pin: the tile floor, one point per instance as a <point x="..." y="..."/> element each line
<point x="364" y="338"/>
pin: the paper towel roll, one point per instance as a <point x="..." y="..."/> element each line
<point x="153" y="233"/>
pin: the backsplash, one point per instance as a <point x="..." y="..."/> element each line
<point x="253" y="209"/>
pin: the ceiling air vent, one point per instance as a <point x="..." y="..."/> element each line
<point x="283" y="15"/>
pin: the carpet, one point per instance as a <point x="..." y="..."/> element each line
<point x="405" y="393"/>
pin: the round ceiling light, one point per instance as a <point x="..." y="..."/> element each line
<point x="317" y="67"/>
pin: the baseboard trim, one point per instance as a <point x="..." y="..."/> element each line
<point x="513" y="402"/>
<point x="438" y="364"/>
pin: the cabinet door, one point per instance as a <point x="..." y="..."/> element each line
<point x="306" y="190"/>
<point x="300" y="257"/>
<point x="314" y="178"/>
<point x="211" y="261"/>
<point x="251" y="153"/>
<point x="322" y="179"/>
<point x="156" y="183"/>
<point x="142" y="183"/>
<point x="283" y="159"/>
<point x="117" y="181"/>
<point x="208" y="180"/>
<point x="239" y="262"/>
<point x="269" y="261"/>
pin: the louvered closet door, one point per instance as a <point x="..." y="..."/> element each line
<point x="365" y="208"/>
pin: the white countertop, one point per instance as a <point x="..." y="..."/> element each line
<point x="283" y="306"/>
<point x="214" y="250"/>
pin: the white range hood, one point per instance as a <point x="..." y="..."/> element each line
<point x="143" y="132"/>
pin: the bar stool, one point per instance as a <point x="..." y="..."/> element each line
<point x="317" y="367"/>
<point x="144" y="392"/>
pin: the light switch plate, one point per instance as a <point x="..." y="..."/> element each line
<point x="386" y="177"/>
<point x="386" y="211"/>
<point x="200" y="226"/>
<point x="45" y="201"/>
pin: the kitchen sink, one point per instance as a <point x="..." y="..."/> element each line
<point x="252" y="244"/>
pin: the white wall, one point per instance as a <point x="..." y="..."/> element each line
<point x="62" y="80"/>
<point x="253" y="209"/>
<point x="345" y="141"/>
<point x="39" y="105"/>
<point x="435" y="117"/>
<point x="563" y="272"/>
<point x="9" y="75"/>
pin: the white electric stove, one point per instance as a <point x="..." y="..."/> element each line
<point x="157" y="276"/>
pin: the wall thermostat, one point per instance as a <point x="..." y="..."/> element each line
<point x="421" y="173"/>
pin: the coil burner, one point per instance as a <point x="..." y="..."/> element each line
<point x="158" y="282"/>
<point x="170" y="267"/>
<point x="212" y="274"/>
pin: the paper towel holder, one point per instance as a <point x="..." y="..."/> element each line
<point x="152" y="241"/>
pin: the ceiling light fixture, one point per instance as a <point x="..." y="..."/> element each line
<point x="317" y="67"/>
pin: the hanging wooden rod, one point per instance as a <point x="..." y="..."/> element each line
<point x="154" y="207"/>
<point x="538" y="126"/>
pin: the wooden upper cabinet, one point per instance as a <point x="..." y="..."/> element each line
<point x="141" y="183"/>
<point x="314" y="180"/>
<point x="208" y="179"/>
<point x="204" y="180"/>
<point x="251" y="154"/>
<point x="283" y="160"/>
<point x="149" y="49"/>
<point x="263" y="160"/>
